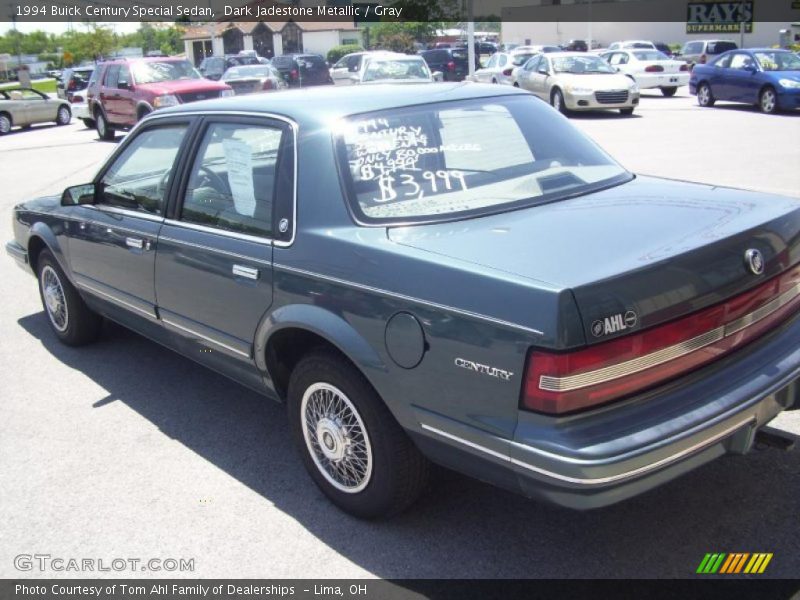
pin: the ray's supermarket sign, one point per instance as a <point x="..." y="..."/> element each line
<point x="719" y="17"/>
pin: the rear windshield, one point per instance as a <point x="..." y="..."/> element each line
<point x="720" y="47"/>
<point x="522" y="58"/>
<point x="650" y="55"/>
<point x="311" y="62"/>
<point x="458" y="159"/>
<point x="396" y="68"/>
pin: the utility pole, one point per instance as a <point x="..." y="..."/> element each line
<point x="470" y="39"/>
<point x="17" y="46"/>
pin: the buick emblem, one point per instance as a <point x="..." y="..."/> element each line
<point x="754" y="261"/>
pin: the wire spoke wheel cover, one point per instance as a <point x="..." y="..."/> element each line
<point x="54" y="300"/>
<point x="336" y="438"/>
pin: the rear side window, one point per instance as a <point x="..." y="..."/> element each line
<point x="720" y="47"/>
<point x="232" y="182"/>
<point x="454" y="159"/>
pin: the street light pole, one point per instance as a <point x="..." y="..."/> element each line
<point x="470" y="39"/>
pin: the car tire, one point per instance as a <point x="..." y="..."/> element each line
<point x="669" y="92"/>
<point x="63" y="116"/>
<point x="494" y="80"/>
<point x="516" y="85"/>
<point x="768" y="101"/>
<point x="5" y="123"/>
<point x="104" y="130"/>
<point x="73" y="322"/>
<point x="557" y="101"/>
<point x="88" y="123"/>
<point x="368" y="466"/>
<point x="626" y="112"/>
<point x="704" y="96"/>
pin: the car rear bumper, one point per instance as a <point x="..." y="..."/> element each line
<point x="657" y="80"/>
<point x="80" y="110"/>
<point x="604" y="456"/>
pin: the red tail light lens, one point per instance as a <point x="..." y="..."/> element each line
<point x="684" y="67"/>
<point x="702" y="59"/>
<point x="508" y="72"/>
<point x="75" y="99"/>
<point x="654" y="69"/>
<point x="560" y="383"/>
<point x="451" y="66"/>
<point x="72" y="85"/>
<point x="294" y="74"/>
<point x="267" y="85"/>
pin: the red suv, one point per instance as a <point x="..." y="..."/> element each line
<point x="127" y="90"/>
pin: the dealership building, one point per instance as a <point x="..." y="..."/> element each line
<point x="749" y="23"/>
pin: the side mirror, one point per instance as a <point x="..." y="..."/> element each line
<point x="751" y="68"/>
<point x="78" y="194"/>
<point x="124" y="85"/>
<point x="353" y="68"/>
<point x="438" y="76"/>
<point x="544" y="71"/>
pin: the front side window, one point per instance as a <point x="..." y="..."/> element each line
<point x="455" y="159"/>
<point x="138" y="178"/>
<point x="232" y="182"/>
<point x="741" y="61"/>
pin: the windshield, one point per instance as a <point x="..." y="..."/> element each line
<point x="581" y="64"/>
<point x="254" y="71"/>
<point x="521" y="58"/>
<point x="778" y="61"/>
<point x="396" y="69"/>
<point x="156" y="71"/>
<point x="457" y="159"/>
<point x="651" y="55"/>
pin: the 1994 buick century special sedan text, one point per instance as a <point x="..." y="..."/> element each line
<point x="451" y="274"/>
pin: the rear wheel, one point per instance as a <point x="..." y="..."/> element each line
<point x="64" y="116"/>
<point x="143" y="112"/>
<point x="704" y="96"/>
<point x="557" y="100"/>
<point x="626" y="112"/>
<point x="73" y="322"/>
<point x="104" y="130"/>
<point x="5" y="123"/>
<point x="494" y="80"/>
<point x="768" y="101"/>
<point x="669" y="92"/>
<point x="351" y="445"/>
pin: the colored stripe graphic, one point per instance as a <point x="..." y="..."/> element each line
<point x="734" y="563"/>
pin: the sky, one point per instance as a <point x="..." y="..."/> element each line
<point x="61" y="27"/>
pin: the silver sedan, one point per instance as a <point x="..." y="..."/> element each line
<point x="500" y="67"/>
<point x="578" y="81"/>
<point x="26" y="107"/>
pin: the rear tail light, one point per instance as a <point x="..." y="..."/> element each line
<point x="507" y="72"/>
<point x="75" y="99"/>
<point x="560" y="383"/>
<point x="293" y="74"/>
<point x="702" y="59"/>
<point x="267" y="85"/>
<point x="654" y="69"/>
<point x="72" y="85"/>
<point x="451" y="66"/>
<point x="684" y="67"/>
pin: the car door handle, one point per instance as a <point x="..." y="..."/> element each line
<point x="242" y="271"/>
<point x="134" y="243"/>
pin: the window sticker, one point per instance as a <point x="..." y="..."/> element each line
<point x="239" y="159"/>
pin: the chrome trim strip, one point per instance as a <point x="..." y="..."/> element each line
<point x="218" y="250"/>
<point x="232" y="234"/>
<point x="592" y="481"/>
<point x="574" y="382"/>
<point x="770" y="307"/>
<point x="405" y="298"/>
<point x="264" y="115"/>
<point x="629" y="367"/>
<point x="246" y="272"/>
<point x="124" y="212"/>
<point x="115" y="299"/>
<point x="205" y="337"/>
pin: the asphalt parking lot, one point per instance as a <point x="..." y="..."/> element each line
<point x="124" y="449"/>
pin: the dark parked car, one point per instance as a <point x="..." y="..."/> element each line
<point x="699" y="52"/>
<point x="73" y="83"/>
<point x="765" y="77"/>
<point x="126" y="91"/>
<point x="576" y="46"/>
<point x="408" y="281"/>
<point x="301" y="70"/>
<point x="664" y="49"/>
<point x="453" y="63"/>
<point x="213" y="67"/>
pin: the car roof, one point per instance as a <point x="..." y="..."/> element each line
<point x="320" y="106"/>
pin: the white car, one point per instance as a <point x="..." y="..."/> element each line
<point x="650" y="69"/>
<point x="500" y="67"/>
<point x="632" y="45"/>
<point x="351" y="66"/>
<point x="397" y="68"/>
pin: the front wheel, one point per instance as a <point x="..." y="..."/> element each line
<point x="351" y="445"/>
<point x="669" y="92"/>
<point x="5" y="123"/>
<point x="557" y="101"/>
<point x="704" y="96"/>
<point x="88" y="123"/>
<point x="768" y="101"/>
<point x="73" y="322"/>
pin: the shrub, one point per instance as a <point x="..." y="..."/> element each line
<point x="337" y="52"/>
